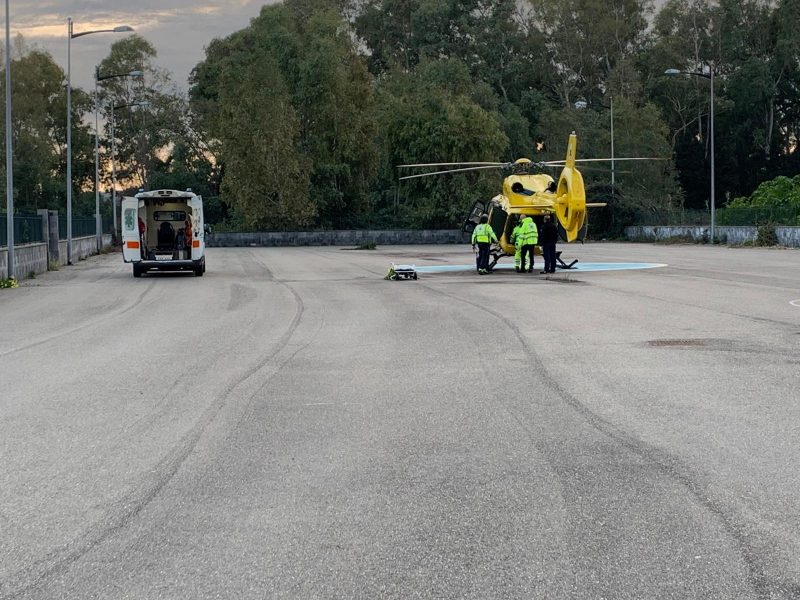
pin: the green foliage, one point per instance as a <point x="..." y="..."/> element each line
<point x="325" y="116"/>
<point x="8" y="283"/>
<point x="766" y="236"/>
<point x="266" y="178"/>
<point x="157" y="146"/>
<point x="367" y="245"/>
<point x="421" y="121"/>
<point x="781" y="191"/>
<point x="39" y="131"/>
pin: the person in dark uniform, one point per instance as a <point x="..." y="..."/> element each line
<point x="548" y="242"/>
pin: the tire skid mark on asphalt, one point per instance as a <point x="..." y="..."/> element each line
<point x="668" y="464"/>
<point x="753" y="318"/>
<point x="250" y="405"/>
<point x="132" y="504"/>
<point x="94" y="321"/>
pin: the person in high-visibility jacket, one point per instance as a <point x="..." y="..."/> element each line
<point x="516" y="239"/>
<point x="483" y="235"/>
<point x="530" y="237"/>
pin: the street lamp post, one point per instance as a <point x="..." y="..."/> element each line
<point x="581" y="104"/>
<point x="70" y="36"/>
<point x="9" y="157"/>
<point x="144" y="103"/>
<point x="98" y="222"/>
<point x="710" y="76"/>
<point x="612" y="143"/>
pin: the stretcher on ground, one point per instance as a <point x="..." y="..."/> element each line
<point x="397" y="272"/>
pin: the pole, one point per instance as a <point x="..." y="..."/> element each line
<point x="612" y="142"/>
<point x="114" y="173"/>
<point x="69" y="141"/>
<point x="711" y="133"/>
<point x="98" y="223"/>
<point x="9" y="154"/>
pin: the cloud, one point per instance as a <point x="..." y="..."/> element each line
<point x="179" y="29"/>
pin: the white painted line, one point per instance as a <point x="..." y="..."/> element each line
<point x="795" y="303"/>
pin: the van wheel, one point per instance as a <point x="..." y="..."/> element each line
<point x="199" y="270"/>
<point x="137" y="271"/>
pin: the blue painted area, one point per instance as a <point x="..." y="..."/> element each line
<point x="579" y="267"/>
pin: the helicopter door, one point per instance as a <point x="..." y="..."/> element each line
<point x="474" y="217"/>
<point x="131" y="239"/>
<point x="498" y="220"/>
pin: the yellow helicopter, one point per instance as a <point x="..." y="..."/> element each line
<point x="529" y="193"/>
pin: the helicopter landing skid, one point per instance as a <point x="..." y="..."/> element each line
<point x="496" y="256"/>
<point x="561" y="264"/>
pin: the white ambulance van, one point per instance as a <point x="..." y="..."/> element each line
<point x="163" y="230"/>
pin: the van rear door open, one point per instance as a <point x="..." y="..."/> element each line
<point x="131" y="242"/>
<point x="198" y="233"/>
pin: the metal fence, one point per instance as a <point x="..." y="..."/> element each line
<point x="776" y="215"/>
<point x="27" y="229"/>
<point x="81" y="226"/>
<point x="724" y="216"/>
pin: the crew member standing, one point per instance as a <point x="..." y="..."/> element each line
<point x="483" y="235"/>
<point x="516" y="239"/>
<point x="530" y="237"/>
<point x="549" y="240"/>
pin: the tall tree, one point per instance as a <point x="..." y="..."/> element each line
<point x="155" y="140"/>
<point x="39" y="132"/>
<point x="330" y="90"/>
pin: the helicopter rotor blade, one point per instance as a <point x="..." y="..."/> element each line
<point x="583" y="160"/>
<point x="452" y="171"/>
<point x="451" y="164"/>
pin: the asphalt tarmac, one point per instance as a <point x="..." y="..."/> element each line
<point x="293" y="426"/>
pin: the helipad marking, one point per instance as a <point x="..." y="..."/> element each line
<point x="795" y="303"/>
<point x="580" y="267"/>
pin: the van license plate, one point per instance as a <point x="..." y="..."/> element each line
<point x="163" y="256"/>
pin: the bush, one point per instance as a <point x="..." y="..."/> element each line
<point x="367" y="245"/>
<point x="766" y="236"/>
<point x="8" y="283"/>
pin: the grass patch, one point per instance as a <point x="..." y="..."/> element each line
<point x="367" y="245"/>
<point x="11" y="282"/>
<point x="54" y="265"/>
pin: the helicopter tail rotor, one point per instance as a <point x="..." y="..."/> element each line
<point x="570" y="203"/>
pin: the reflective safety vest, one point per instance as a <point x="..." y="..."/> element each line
<point x="483" y="234"/>
<point x="529" y="233"/>
<point x="515" y="235"/>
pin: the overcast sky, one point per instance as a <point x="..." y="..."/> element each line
<point x="179" y="29"/>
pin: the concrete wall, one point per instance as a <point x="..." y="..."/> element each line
<point x="337" y="238"/>
<point x="81" y="247"/>
<point x="787" y="236"/>
<point x="28" y="258"/>
<point x="35" y="257"/>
